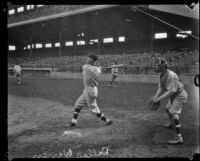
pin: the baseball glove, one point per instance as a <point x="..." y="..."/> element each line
<point x="152" y="105"/>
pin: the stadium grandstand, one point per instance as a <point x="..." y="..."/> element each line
<point x="61" y="36"/>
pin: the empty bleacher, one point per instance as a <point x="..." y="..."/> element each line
<point x="182" y="62"/>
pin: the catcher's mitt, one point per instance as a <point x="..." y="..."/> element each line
<point x="152" y="105"/>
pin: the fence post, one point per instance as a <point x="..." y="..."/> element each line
<point x="146" y="69"/>
<point x="137" y="69"/>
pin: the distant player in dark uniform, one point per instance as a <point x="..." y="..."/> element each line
<point x="17" y="72"/>
<point x="172" y="89"/>
<point x="114" y="71"/>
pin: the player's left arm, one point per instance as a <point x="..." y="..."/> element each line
<point x="164" y="96"/>
<point x="171" y="89"/>
<point x="115" y="66"/>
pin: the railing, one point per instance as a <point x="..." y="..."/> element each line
<point x="147" y="70"/>
<point x="33" y="71"/>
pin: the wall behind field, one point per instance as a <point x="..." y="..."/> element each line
<point x="47" y="72"/>
<point x="123" y="77"/>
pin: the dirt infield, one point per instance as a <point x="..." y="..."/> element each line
<point x="40" y="110"/>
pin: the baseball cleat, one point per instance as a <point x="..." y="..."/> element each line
<point x="176" y="140"/>
<point x="72" y="124"/>
<point x="110" y="122"/>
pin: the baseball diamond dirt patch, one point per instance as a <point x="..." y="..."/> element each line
<point x="40" y="111"/>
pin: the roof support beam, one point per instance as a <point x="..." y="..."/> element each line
<point x="68" y="13"/>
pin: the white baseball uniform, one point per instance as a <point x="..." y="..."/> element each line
<point x="17" y="70"/>
<point x="170" y="82"/>
<point x="91" y="75"/>
<point x="114" y="70"/>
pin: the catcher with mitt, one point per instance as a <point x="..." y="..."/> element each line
<point x="169" y="87"/>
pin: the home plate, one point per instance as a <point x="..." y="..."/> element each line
<point x="71" y="133"/>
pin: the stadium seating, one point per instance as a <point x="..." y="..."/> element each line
<point x="182" y="61"/>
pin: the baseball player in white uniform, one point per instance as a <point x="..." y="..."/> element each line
<point x="90" y="92"/>
<point x="172" y="89"/>
<point x="17" y="72"/>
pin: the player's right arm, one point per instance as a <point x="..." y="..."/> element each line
<point x="115" y="66"/>
<point x="159" y="91"/>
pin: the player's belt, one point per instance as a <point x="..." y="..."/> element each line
<point x="93" y="85"/>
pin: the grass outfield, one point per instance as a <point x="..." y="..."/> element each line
<point x="40" y="111"/>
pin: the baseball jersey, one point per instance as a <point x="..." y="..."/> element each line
<point x="90" y="75"/>
<point x="170" y="82"/>
<point x="17" y="68"/>
<point x="114" y="70"/>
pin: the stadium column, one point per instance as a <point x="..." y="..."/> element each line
<point x="31" y="45"/>
<point x="60" y="39"/>
<point x="151" y="35"/>
<point x="99" y="37"/>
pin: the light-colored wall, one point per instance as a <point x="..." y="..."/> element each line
<point x="123" y="78"/>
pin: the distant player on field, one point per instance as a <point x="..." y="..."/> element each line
<point x="114" y="72"/>
<point x="172" y="89"/>
<point x="17" y="72"/>
<point x="90" y="91"/>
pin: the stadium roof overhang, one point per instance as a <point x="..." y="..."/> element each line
<point x="105" y="22"/>
<point x="86" y="8"/>
<point x="182" y="10"/>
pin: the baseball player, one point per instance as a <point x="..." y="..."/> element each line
<point x="172" y="89"/>
<point x="90" y="91"/>
<point x="114" y="71"/>
<point x="17" y="72"/>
